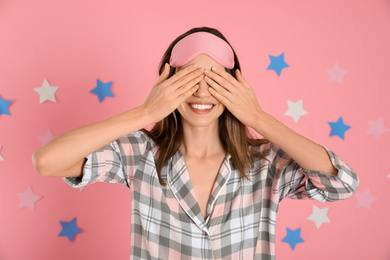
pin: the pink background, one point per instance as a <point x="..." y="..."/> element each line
<point x="74" y="43"/>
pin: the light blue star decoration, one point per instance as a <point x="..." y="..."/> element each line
<point x="293" y="237"/>
<point x="339" y="128"/>
<point x="277" y="63"/>
<point x="102" y="90"/>
<point x="4" y="104"/>
<point x="69" y="229"/>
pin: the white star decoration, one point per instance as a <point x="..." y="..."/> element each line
<point x="336" y="74"/>
<point x="295" y="110"/>
<point x="319" y="216"/>
<point x="46" y="92"/>
<point x="28" y="199"/>
<point x="377" y="128"/>
<point x="45" y="139"/>
<point x="365" y="199"/>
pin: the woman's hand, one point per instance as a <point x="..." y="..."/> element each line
<point x="167" y="94"/>
<point x="236" y="95"/>
<point x="239" y="98"/>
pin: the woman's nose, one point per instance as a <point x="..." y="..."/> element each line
<point x="203" y="90"/>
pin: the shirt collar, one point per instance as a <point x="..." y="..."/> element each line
<point x="179" y="181"/>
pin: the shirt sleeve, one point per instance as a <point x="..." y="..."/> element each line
<point x="292" y="181"/>
<point x="115" y="162"/>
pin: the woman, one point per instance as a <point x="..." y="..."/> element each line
<point x="201" y="186"/>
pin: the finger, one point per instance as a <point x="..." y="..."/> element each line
<point x="241" y="79"/>
<point x="217" y="87"/>
<point x="221" y="81"/>
<point x="178" y="91"/>
<point x="224" y="75"/>
<point x="164" y="74"/>
<point x="226" y="102"/>
<point x="191" y="78"/>
<point x="183" y="76"/>
<point x="181" y="98"/>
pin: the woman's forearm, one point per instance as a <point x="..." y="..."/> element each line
<point x="66" y="150"/>
<point x="305" y="152"/>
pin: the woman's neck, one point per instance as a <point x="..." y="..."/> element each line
<point x="201" y="142"/>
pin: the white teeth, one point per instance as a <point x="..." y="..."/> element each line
<point x="201" y="107"/>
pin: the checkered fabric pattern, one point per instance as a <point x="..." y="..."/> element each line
<point x="166" y="221"/>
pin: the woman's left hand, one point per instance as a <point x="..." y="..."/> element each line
<point x="235" y="94"/>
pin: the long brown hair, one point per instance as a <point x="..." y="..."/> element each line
<point x="235" y="136"/>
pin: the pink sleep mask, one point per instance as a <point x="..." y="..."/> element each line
<point x="202" y="42"/>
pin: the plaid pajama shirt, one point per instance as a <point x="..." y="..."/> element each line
<point x="166" y="221"/>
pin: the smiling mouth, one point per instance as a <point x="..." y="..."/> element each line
<point x="201" y="107"/>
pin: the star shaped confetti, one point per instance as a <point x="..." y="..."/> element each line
<point x="339" y="128"/>
<point x="46" y="92"/>
<point x="102" y="90"/>
<point x="1" y="157"/>
<point x="336" y="74"/>
<point x="365" y="199"/>
<point x="319" y="216"/>
<point x="28" y="199"/>
<point x="377" y="128"/>
<point x="46" y="138"/>
<point x="277" y="63"/>
<point x="293" y="237"/>
<point x="69" y="229"/>
<point x="4" y="104"/>
<point x="295" y="110"/>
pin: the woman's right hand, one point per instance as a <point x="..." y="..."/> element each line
<point x="167" y="94"/>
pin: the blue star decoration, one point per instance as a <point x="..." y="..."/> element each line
<point x="277" y="63"/>
<point x="339" y="128"/>
<point x="4" y="104"/>
<point x="69" y="229"/>
<point x="102" y="90"/>
<point x="293" y="237"/>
